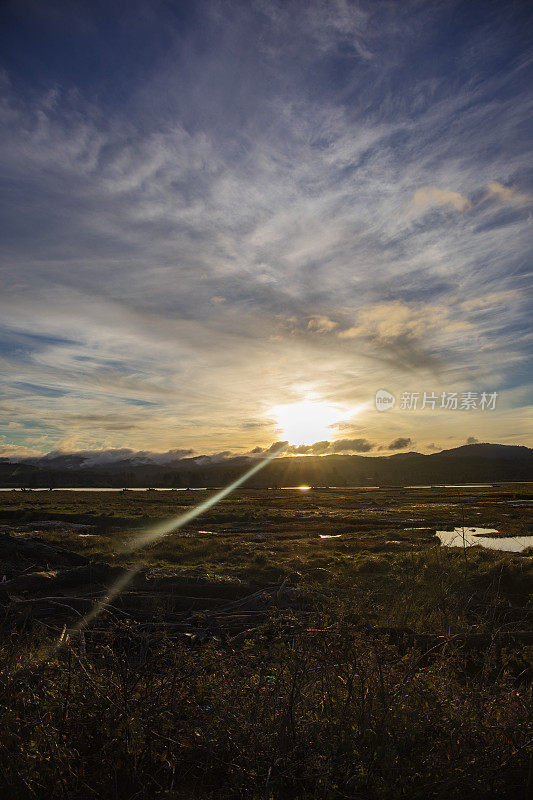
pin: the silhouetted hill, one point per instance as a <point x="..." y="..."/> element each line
<point x="484" y="463"/>
<point x="488" y="451"/>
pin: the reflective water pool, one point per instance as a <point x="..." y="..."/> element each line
<point x="478" y="536"/>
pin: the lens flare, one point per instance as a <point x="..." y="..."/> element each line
<point x="154" y="534"/>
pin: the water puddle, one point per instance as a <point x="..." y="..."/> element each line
<point x="484" y="538"/>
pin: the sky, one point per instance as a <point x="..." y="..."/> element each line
<point x="227" y="224"/>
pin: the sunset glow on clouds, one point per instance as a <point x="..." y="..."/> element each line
<point x="214" y="210"/>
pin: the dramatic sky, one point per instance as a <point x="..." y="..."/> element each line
<point x="212" y="211"/>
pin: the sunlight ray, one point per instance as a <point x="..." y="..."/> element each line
<point x="156" y="533"/>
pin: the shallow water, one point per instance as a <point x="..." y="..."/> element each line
<point x="290" y="488"/>
<point x="105" y="489"/>
<point x="477" y="536"/>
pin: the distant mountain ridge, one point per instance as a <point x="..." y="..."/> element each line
<point x="487" y="450"/>
<point x="177" y="468"/>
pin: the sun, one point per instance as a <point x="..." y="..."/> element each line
<point x="307" y="421"/>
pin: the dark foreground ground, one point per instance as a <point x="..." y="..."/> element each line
<point x="249" y="658"/>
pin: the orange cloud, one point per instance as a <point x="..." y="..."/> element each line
<point x="509" y="195"/>
<point x="431" y="196"/>
<point x="321" y="324"/>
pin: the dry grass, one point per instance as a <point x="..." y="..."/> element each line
<point x="350" y="700"/>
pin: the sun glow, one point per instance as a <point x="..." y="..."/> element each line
<point x="308" y="421"/>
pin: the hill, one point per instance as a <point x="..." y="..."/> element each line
<point x="485" y="463"/>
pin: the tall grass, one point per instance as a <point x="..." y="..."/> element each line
<point x="329" y="709"/>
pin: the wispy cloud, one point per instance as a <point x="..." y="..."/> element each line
<point x="309" y="203"/>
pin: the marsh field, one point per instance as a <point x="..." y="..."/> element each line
<point x="292" y="643"/>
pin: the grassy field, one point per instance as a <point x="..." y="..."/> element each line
<point x="397" y="668"/>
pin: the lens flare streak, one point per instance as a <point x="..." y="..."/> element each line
<point x="155" y="534"/>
